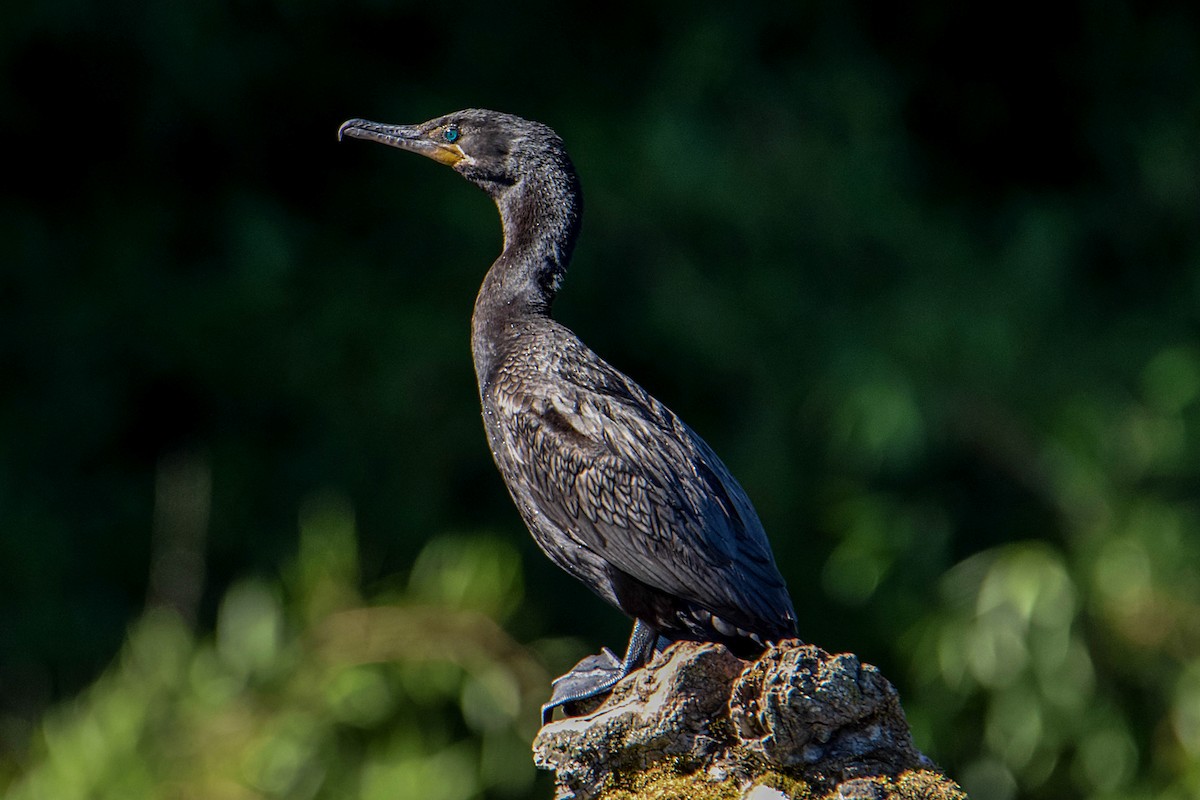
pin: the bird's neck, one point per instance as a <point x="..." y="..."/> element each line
<point x="540" y="220"/>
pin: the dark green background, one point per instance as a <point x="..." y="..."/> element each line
<point x="926" y="278"/>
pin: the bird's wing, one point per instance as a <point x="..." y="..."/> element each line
<point x="622" y="476"/>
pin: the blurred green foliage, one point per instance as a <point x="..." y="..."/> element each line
<point x="304" y="691"/>
<point x="927" y="278"/>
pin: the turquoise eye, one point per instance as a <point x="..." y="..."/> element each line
<point x="450" y="134"/>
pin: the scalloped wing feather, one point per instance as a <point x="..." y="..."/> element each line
<point x="619" y="474"/>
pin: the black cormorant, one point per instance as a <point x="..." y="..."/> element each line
<point x="614" y="487"/>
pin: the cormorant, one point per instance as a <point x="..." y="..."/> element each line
<point x="614" y="487"/>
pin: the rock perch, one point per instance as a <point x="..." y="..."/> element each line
<point x="699" y="722"/>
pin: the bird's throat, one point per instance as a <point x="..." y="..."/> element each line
<point x="540" y="219"/>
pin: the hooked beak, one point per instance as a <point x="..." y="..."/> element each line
<point x="405" y="137"/>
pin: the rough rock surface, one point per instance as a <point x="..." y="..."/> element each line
<point x="698" y="722"/>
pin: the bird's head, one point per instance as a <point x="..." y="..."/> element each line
<point x="492" y="150"/>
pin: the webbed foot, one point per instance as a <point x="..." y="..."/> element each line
<point x="591" y="677"/>
<point x="597" y="674"/>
